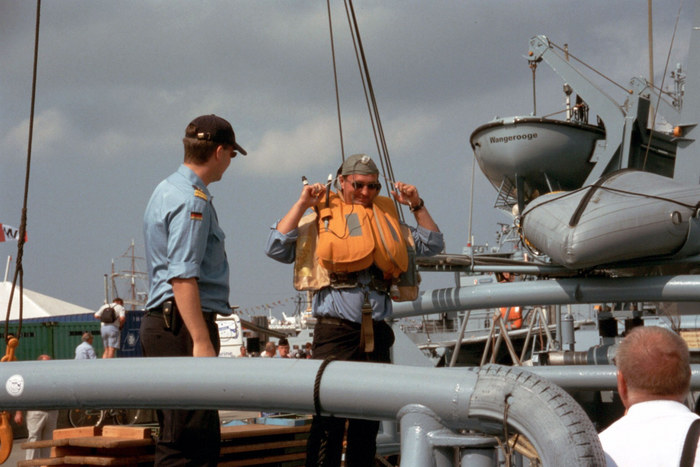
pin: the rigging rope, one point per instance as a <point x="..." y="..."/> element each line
<point x="335" y="79"/>
<point x="663" y="78"/>
<point x="371" y="100"/>
<point x="507" y="449"/>
<point x="591" y="68"/>
<point x="19" y="270"/>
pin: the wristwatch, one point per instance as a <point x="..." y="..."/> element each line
<point x="418" y="206"/>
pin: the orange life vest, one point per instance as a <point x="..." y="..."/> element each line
<point x="513" y="317"/>
<point x="352" y="237"/>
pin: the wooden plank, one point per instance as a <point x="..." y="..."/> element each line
<point x="104" y="460"/>
<point x="33" y="462"/>
<point x="45" y="443"/>
<point x="263" y="460"/>
<point x="62" y="451"/>
<point x="120" y="445"/>
<point x="102" y="442"/>
<point x="262" y="446"/>
<point x="77" y="432"/>
<point x="246" y="431"/>
<point x="90" y="442"/>
<point x="131" y="432"/>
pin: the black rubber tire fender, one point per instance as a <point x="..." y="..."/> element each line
<point x="548" y="416"/>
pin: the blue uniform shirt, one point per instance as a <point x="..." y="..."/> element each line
<point x="347" y="303"/>
<point x="183" y="240"/>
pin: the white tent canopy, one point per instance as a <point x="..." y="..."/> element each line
<point x="35" y="305"/>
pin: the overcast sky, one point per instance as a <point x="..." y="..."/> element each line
<point x="118" y="81"/>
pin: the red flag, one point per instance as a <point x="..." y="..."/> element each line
<point x="9" y="233"/>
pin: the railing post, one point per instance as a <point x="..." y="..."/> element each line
<point x="426" y="442"/>
<point x="417" y="423"/>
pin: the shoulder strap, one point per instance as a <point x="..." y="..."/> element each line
<point x="691" y="444"/>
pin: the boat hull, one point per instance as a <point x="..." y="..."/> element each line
<point x="546" y="154"/>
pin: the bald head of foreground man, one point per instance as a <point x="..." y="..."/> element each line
<point x="653" y="380"/>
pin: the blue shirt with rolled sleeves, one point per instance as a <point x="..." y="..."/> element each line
<point x="347" y="303"/>
<point x="183" y="240"/>
<point x="85" y="352"/>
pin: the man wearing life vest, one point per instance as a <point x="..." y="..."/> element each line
<point x="358" y="253"/>
<point x="512" y="316"/>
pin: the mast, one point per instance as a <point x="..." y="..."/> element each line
<point x="651" y="45"/>
<point x="7" y="268"/>
<point x="133" y="269"/>
<point x="134" y="297"/>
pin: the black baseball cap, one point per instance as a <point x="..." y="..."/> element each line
<point x="213" y="128"/>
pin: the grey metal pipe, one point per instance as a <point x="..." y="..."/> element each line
<point x="537" y="269"/>
<point x="417" y="424"/>
<point x="601" y="377"/>
<point x="349" y="389"/>
<point x="591" y="377"/>
<point x="682" y="288"/>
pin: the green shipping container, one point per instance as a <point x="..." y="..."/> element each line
<point x="57" y="339"/>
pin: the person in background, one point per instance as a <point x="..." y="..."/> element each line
<point x="85" y="351"/>
<point x="40" y="426"/>
<point x="511" y="316"/>
<point x="653" y="380"/>
<point x="283" y="348"/>
<point x="188" y="274"/>
<point x="270" y="350"/>
<point x="244" y="352"/>
<point x="110" y="329"/>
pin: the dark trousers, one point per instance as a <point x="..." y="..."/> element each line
<point x="325" y="445"/>
<point x="187" y="437"/>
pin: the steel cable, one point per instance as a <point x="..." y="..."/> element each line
<point x="19" y="270"/>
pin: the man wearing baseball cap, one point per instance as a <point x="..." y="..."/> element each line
<point x="188" y="276"/>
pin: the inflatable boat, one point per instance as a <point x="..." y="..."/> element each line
<point x="626" y="215"/>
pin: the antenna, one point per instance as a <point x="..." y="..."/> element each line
<point x="7" y="268"/>
<point x="106" y="291"/>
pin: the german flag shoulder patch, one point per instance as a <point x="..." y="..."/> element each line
<point x="195" y="216"/>
<point x="200" y="194"/>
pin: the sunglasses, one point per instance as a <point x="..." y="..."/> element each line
<point x="371" y="185"/>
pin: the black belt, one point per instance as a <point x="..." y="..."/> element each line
<point x="209" y="317"/>
<point x="340" y="321"/>
<point x="336" y="321"/>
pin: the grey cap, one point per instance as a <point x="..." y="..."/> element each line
<point x="358" y="164"/>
